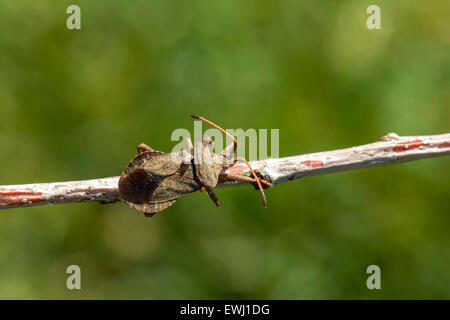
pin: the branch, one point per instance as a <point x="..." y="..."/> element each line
<point x="390" y="149"/>
<point x="28" y="195"/>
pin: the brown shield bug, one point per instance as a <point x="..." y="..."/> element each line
<point x="154" y="180"/>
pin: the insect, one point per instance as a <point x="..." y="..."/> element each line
<point x="154" y="180"/>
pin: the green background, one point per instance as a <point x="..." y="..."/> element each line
<point x="74" y="105"/>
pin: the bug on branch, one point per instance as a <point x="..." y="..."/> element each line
<point x="154" y="180"/>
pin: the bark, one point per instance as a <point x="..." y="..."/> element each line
<point x="389" y="149"/>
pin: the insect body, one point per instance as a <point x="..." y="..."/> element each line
<point x="154" y="180"/>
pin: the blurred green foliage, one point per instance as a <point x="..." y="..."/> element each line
<point x="74" y="104"/>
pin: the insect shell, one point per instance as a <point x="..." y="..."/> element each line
<point x="154" y="180"/>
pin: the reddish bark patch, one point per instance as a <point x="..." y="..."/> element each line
<point x="236" y="169"/>
<point x="312" y="163"/>
<point x="15" y="193"/>
<point x="405" y="146"/>
<point x="444" y="145"/>
<point x="14" y="197"/>
<point x="33" y="199"/>
<point x="12" y="201"/>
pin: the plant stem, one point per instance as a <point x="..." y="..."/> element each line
<point x="390" y="149"/>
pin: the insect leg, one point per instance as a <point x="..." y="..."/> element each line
<point x="143" y="148"/>
<point x="235" y="177"/>
<point x="210" y="193"/>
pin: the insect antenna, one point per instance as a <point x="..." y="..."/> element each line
<point x="257" y="181"/>
<point x="235" y="156"/>
<point x="224" y="131"/>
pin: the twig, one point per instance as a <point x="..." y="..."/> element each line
<point x="389" y="150"/>
<point x="28" y="195"/>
